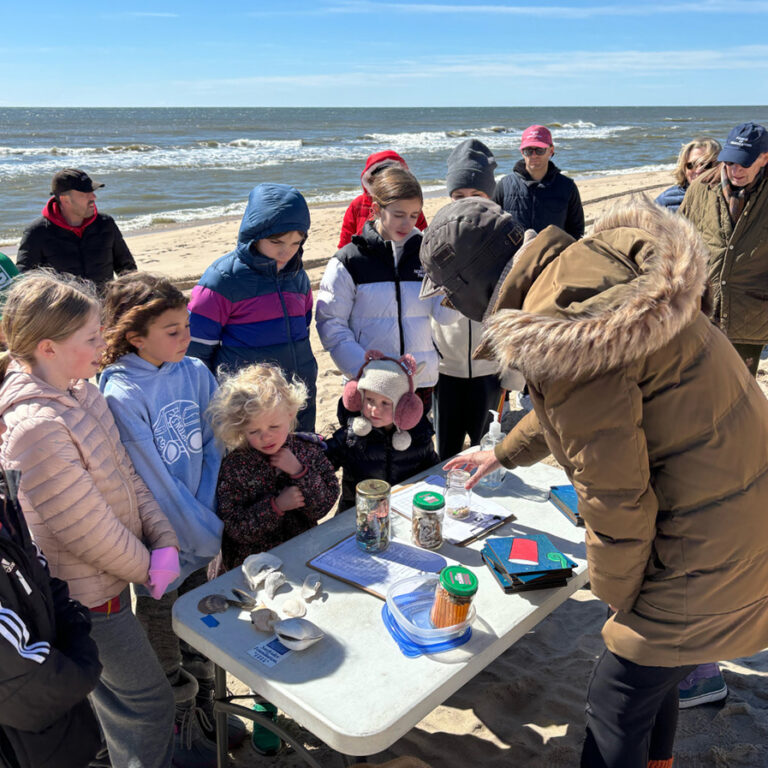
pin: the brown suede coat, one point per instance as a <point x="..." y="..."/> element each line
<point x="738" y="257"/>
<point x="659" y="425"/>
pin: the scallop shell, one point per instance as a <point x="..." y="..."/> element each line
<point x="264" y="619"/>
<point x="273" y="582"/>
<point x="293" y="607"/>
<point x="297" y="634"/>
<point x="311" y="587"/>
<point x="256" y="567"/>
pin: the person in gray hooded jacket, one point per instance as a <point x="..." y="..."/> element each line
<point x="467" y="389"/>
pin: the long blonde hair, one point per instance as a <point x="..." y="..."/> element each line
<point x="711" y="149"/>
<point x="43" y="305"/>
<point x="249" y="393"/>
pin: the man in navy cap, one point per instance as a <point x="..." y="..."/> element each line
<point x="72" y="236"/>
<point x="729" y="207"/>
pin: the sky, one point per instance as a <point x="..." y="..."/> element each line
<point x="340" y="53"/>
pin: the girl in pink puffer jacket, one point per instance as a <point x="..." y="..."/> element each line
<point x="86" y="507"/>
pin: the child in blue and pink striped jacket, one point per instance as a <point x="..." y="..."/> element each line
<point x="254" y="305"/>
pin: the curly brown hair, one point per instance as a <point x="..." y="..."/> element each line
<point x="131" y="303"/>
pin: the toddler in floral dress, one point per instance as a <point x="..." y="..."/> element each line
<point x="274" y="483"/>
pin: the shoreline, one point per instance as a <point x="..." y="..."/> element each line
<point x="585" y="184"/>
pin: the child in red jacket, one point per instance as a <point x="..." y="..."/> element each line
<point x="359" y="210"/>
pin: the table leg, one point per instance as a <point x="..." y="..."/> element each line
<point x="220" y="716"/>
<point x="223" y="705"/>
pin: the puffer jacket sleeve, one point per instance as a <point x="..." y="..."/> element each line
<point x="30" y="253"/>
<point x="335" y="301"/>
<point x="349" y="223"/>
<point x="58" y="486"/>
<point x="524" y="445"/>
<point x="574" y="219"/>
<point x="600" y="427"/>
<point x="209" y="313"/>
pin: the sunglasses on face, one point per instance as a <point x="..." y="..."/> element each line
<point x="690" y="166"/>
<point x="528" y="151"/>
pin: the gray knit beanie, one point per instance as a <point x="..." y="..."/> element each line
<point x="471" y="164"/>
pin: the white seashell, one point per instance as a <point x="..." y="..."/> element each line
<point x="256" y="567"/>
<point x="293" y="607"/>
<point x="297" y="634"/>
<point x="264" y="619"/>
<point x="312" y="587"/>
<point x="273" y="582"/>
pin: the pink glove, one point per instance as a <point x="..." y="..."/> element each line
<point x="163" y="569"/>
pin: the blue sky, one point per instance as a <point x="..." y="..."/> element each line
<point x="340" y="53"/>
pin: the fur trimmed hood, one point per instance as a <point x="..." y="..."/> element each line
<point x="650" y="289"/>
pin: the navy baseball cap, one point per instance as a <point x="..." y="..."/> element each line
<point x="744" y="143"/>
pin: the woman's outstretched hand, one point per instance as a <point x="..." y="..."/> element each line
<point x="482" y="461"/>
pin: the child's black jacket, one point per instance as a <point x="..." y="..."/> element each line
<point x="373" y="456"/>
<point x="48" y="661"/>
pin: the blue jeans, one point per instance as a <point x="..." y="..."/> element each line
<point x="133" y="699"/>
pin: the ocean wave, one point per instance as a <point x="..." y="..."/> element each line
<point x="625" y="171"/>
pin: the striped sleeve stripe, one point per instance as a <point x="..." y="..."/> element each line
<point x="40" y="556"/>
<point x="13" y="629"/>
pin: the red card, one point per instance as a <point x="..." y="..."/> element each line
<point x="524" y="552"/>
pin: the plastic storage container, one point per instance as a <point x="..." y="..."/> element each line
<point x="410" y="603"/>
<point x="458" y="500"/>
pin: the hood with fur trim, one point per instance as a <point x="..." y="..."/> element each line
<point x="576" y="309"/>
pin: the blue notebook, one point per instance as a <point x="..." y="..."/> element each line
<point x="565" y="499"/>
<point x="529" y="555"/>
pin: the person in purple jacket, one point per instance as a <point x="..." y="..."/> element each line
<point x="254" y="305"/>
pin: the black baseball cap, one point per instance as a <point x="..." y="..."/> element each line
<point x="744" y="144"/>
<point x="72" y="178"/>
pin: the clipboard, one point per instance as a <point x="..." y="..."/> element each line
<point x="373" y="572"/>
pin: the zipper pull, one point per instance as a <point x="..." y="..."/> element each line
<point x="24" y="583"/>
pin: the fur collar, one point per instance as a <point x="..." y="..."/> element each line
<point x="648" y="311"/>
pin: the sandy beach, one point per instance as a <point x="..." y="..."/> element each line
<point x="526" y="708"/>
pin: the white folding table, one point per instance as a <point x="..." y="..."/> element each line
<point x="354" y="689"/>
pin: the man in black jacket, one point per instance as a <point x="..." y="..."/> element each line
<point x="536" y="193"/>
<point x="48" y="661"/>
<point x="72" y="236"/>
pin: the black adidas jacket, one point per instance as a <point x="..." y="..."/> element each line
<point x="48" y="661"/>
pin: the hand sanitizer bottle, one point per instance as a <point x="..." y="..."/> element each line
<point x="493" y="436"/>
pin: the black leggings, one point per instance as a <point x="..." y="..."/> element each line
<point x="631" y="713"/>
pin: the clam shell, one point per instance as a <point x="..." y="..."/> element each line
<point x="311" y="587"/>
<point x="273" y="582"/>
<point x="256" y="567"/>
<point x="264" y="619"/>
<point x="213" y="604"/>
<point x="297" y="634"/>
<point x="293" y="607"/>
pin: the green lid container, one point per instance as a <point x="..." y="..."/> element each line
<point x="458" y="580"/>
<point x="429" y="501"/>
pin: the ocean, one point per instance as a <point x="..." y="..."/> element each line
<point x="165" y="166"/>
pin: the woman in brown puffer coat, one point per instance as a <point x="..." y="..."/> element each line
<point x="664" y="434"/>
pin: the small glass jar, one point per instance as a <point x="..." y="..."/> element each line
<point x="427" y="520"/>
<point x="372" y="508"/>
<point x="453" y="596"/>
<point x="458" y="499"/>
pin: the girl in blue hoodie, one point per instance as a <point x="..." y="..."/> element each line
<point x="254" y="305"/>
<point x="158" y="396"/>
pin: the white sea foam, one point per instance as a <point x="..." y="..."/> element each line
<point x="625" y="171"/>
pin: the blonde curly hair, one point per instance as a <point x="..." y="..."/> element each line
<point x="247" y="394"/>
